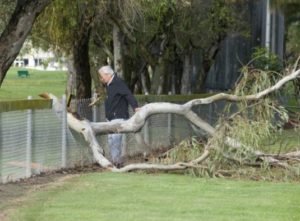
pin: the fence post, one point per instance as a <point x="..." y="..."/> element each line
<point x="170" y="127"/>
<point x="29" y="141"/>
<point x="169" y="124"/>
<point x="124" y="145"/>
<point x="64" y="132"/>
<point x="1" y="149"/>
<point x="94" y="109"/>
<point x="146" y="132"/>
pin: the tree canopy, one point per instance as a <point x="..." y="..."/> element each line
<point x="157" y="46"/>
<point x="155" y="36"/>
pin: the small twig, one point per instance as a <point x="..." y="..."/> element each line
<point x="296" y="64"/>
<point x="94" y="101"/>
<point x="239" y="112"/>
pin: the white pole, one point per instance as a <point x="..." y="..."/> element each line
<point x="64" y="132"/>
<point x="29" y="141"/>
<point x="268" y="25"/>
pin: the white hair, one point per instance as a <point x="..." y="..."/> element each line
<point x="106" y="70"/>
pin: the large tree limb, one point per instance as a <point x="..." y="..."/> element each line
<point x="235" y="98"/>
<point x="135" y="123"/>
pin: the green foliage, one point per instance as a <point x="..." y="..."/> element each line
<point x="265" y="60"/>
<point x="205" y="23"/>
<point x="26" y="49"/>
<point x="251" y="124"/>
<point x="256" y="120"/>
<point x="290" y="9"/>
<point x="151" y="30"/>
<point x="6" y="9"/>
<point x="293" y="42"/>
<point x="268" y="67"/>
<point x="186" y="150"/>
<point x="159" y="9"/>
<point x="57" y="26"/>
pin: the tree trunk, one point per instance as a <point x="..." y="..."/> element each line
<point x="144" y="83"/>
<point x="81" y="61"/>
<point x="17" y="30"/>
<point x="71" y="80"/>
<point x="158" y="77"/>
<point x="118" y="55"/>
<point x="176" y="77"/>
<point x="145" y="80"/>
<point x="186" y="75"/>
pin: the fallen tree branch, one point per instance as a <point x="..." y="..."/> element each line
<point x="170" y="167"/>
<point x="235" y="98"/>
<point x="136" y="122"/>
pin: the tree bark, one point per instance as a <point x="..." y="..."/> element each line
<point x="17" y="30"/>
<point x="118" y="55"/>
<point x="158" y="76"/>
<point x="100" y="43"/>
<point x="186" y="75"/>
<point x="71" y="80"/>
<point x="81" y="60"/>
<point x="145" y="80"/>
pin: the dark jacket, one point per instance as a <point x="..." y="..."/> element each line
<point x="117" y="100"/>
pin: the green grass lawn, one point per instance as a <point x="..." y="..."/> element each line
<point x="108" y="196"/>
<point x="15" y="87"/>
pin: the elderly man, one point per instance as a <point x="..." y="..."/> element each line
<point x="116" y="108"/>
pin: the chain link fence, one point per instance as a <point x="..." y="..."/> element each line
<point x="37" y="140"/>
<point x="33" y="140"/>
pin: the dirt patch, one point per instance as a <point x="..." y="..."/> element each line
<point x="13" y="194"/>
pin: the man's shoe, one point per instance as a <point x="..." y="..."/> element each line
<point x="119" y="165"/>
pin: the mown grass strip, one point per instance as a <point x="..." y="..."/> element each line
<point x="162" y="197"/>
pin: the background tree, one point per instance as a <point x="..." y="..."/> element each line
<point x="66" y="29"/>
<point x="165" y="34"/>
<point x="156" y="46"/>
<point x="292" y="18"/>
<point x="16" y="31"/>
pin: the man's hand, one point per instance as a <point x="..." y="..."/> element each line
<point x="137" y="109"/>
